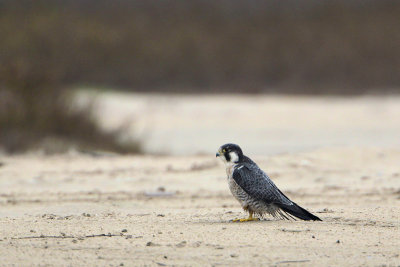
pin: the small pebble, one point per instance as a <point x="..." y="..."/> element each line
<point x="181" y="244"/>
<point x="161" y="189"/>
<point x="150" y="244"/>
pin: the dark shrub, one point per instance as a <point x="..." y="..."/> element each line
<point x="36" y="113"/>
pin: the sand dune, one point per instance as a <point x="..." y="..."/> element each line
<point x="263" y="125"/>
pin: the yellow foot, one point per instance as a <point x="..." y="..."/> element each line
<point x="246" y="220"/>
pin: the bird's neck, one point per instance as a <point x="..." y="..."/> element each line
<point x="230" y="164"/>
<point x="230" y="167"/>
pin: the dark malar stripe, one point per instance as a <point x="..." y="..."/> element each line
<point x="227" y="156"/>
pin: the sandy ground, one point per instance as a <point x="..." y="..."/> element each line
<point x="337" y="157"/>
<point x="86" y="210"/>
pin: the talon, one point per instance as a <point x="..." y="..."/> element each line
<point x="251" y="218"/>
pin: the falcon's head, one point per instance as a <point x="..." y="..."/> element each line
<point x="230" y="153"/>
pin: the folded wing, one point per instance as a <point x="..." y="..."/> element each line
<point x="258" y="185"/>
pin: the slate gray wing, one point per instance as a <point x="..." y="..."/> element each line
<point x="257" y="184"/>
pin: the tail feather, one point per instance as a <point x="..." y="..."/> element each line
<point x="299" y="212"/>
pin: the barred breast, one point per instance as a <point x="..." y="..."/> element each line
<point x="246" y="201"/>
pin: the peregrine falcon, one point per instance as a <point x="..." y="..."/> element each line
<point x="254" y="190"/>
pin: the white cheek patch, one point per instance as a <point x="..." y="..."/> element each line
<point x="234" y="156"/>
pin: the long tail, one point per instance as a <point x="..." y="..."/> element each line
<point x="299" y="212"/>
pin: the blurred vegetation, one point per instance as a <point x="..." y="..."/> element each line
<point x="312" y="47"/>
<point x="301" y="47"/>
<point x="37" y="113"/>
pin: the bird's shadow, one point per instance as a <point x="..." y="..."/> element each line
<point x="231" y="221"/>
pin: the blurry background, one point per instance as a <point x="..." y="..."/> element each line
<point x="183" y="77"/>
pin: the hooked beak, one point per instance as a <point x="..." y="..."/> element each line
<point x="219" y="153"/>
